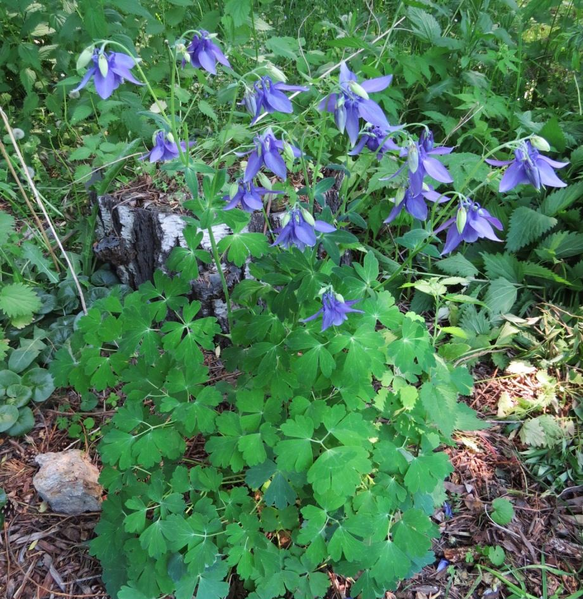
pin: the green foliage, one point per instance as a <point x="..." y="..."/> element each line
<point x="502" y="511"/>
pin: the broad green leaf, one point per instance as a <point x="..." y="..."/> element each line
<point x="501" y="296"/>
<point x="502" y="511"/>
<point x="527" y="225"/>
<point x="18" y="300"/>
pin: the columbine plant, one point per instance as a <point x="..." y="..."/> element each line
<point x="323" y="453"/>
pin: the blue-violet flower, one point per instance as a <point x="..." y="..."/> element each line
<point x="109" y="71"/>
<point x="334" y="310"/>
<point x="268" y="152"/>
<point x="165" y="148"/>
<point x="414" y="204"/>
<point x="352" y="103"/>
<point x="529" y="166"/>
<point x="471" y="223"/>
<point x="269" y="96"/>
<point x="376" y="139"/>
<point x="204" y="53"/>
<point x="248" y="196"/>
<point x="298" y="228"/>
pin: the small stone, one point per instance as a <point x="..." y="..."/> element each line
<point x="68" y="482"/>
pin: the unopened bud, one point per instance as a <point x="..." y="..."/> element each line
<point x="308" y="217"/>
<point x="18" y="133"/>
<point x="339" y="297"/>
<point x="170" y="138"/>
<point x="540" y="143"/>
<point x="180" y="48"/>
<point x="285" y="220"/>
<point x="74" y="94"/>
<point x="461" y="219"/>
<point x="357" y="89"/>
<point x="233" y="190"/>
<point x="31" y="171"/>
<point x="265" y="182"/>
<point x="413" y="158"/>
<point x="103" y="64"/>
<point x="288" y="151"/>
<point x="399" y="196"/>
<point x="275" y="73"/>
<point x="84" y="58"/>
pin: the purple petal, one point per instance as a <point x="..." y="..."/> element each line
<point x="278" y="101"/>
<point x="377" y="84"/>
<point x="291" y="88"/>
<point x="452" y="240"/>
<point x="275" y="163"/>
<point x="314" y="316"/>
<point x="324" y="227"/>
<point x="90" y="72"/>
<point x="346" y="74"/>
<point x="126" y="74"/>
<point x="352" y="126"/>
<point x="416" y="207"/>
<point x="553" y="163"/>
<point x="441" y="151"/>
<point x="372" y="113"/>
<point x="359" y="146"/>
<point x="156" y="153"/>
<point x="436" y="170"/>
<point x="548" y="175"/>
<point x="498" y="162"/>
<point x="252" y="201"/>
<point x="207" y="61"/>
<point x="218" y="54"/>
<point x="123" y="60"/>
<point x="483" y="227"/>
<point x="394" y="213"/>
<point x="254" y="163"/>
<point x="328" y="103"/>
<point x="105" y="86"/>
<point x="305" y="233"/>
<point x="513" y="176"/>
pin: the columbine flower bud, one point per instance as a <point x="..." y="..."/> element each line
<point x="413" y="157"/>
<point x="84" y="58"/>
<point x="31" y="171"/>
<point x="102" y="64"/>
<point x="288" y="152"/>
<point x="339" y="297"/>
<point x="74" y="94"/>
<point x="285" y="220"/>
<point x="308" y="217"/>
<point x="461" y="219"/>
<point x="264" y="180"/>
<point x="399" y="196"/>
<point x="18" y="133"/>
<point x="540" y="143"/>
<point x="275" y="73"/>
<point x="358" y="90"/>
<point x="233" y="190"/>
<point x="170" y="138"/>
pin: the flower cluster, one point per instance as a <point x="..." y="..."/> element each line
<point x="247" y="196"/>
<point x="529" y="166"/>
<point x="204" y="53"/>
<point x="269" y="97"/>
<point x="108" y="71"/>
<point x="165" y="148"/>
<point x="298" y="228"/>
<point x="471" y="223"/>
<point x="352" y="103"/>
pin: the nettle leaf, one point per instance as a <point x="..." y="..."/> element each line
<point x="561" y="199"/>
<point x="240" y="246"/>
<point x="18" y="300"/>
<point x="504" y="266"/>
<point x="457" y="265"/>
<point x="501" y="296"/>
<point x="527" y="225"/>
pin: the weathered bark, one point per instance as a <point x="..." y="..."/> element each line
<point x="138" y="239"/>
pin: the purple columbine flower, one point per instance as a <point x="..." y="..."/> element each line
<point x="165" y="148"/>
<point x="421" y="162"/>
<point x="109" y="71"/>
<point x="269" y="96"/>
<point x="471" y="223"/>
<point x="414" y="204"/>
<point x="248" y="196"/>
<point x="267" y="153"/>
<point x="529" y="166"/>
<point x="204" y="53"/>
<point x="298" y="228"/>
<point x="447" y="510"/>
<point x="353" y="103"/>
<point x="376" y="139"/>
<point x="334" y="310"/>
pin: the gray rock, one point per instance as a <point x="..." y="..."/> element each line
<point x="67" y="481"/>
